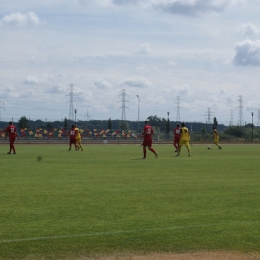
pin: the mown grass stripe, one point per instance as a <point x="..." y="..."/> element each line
<point x="127" y="231"/>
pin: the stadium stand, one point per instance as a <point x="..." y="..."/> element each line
<point x="60" y="135"/>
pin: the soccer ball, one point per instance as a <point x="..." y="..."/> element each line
<point x="208" y="147"/>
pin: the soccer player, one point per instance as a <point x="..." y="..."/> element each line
<point x="12" y="133"/>
<point x="73" y="133"/>
<point x="185" y="139"/>
<point x="78" y="140"/>
<point x="177" y="136"/>
<point x="147" y="135"/>
<point x="216" y="137"/>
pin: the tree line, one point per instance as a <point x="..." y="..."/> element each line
<point x="160" y="125"/>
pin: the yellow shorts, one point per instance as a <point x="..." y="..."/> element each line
<point x="184" y="142"/>
<point x="78" y="140"/>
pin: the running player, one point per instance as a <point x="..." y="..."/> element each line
<point x="147" y="135"/>
<point x="72" y="133"/>
<point x="185" y="138"/>
<point x="216" y="137"/>
<point x="177" y="136"/>
<point x="78" y="139"/>
<point x="12" y="133"/>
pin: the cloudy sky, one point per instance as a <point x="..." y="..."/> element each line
<point x="206" y="52"/>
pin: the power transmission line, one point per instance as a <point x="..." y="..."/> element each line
<point x="240" y="113"/>
<point x="178" y="117"/>
<point x="71" y="95"/>
<point x="231" y="117"/>
<point x="208" y="115"/>
<point x="123" y="101"/>
<point x="87" y="116"/>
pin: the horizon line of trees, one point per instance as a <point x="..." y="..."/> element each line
<point x="160" y="125"/>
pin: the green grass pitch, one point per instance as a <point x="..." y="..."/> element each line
<point x="106" y="200"/>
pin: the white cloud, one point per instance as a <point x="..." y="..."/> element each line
<point x="137" y="82"/>
<point x="182" y="90"/>
<point x="82" y="96"/>
<point x="102" y="84"/>
<point x="123" y="2"/>
<point x="20" y="20"/>
<point x="249" y="30"/>
<point x="56" y="89"/>
<point x="247" y="53"/>
<point x="144" y="49"/>
<point x="172" y="63"/>
<point x="155" y="99"/>
<point x="100" y="108"/>
<point x="103" y="3"/>
<point x="181" y="7"/>
<point x="8" y="91"/>
<point x="33" y="80"/>
<point x="193" y="7"/>
<point x="228" y="97"/>
<point x="27" y="93"/>
<point x="252" y="106"/>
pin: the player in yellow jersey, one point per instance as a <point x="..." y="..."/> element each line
<point x="216" y="137"/>
<point x="185" y="139"/>
<point x="78" y="140"/>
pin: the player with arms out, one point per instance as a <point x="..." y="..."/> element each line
<point x="177" y="136"/>
<point x="78" y="139"/>
<point x="12" y="133"/>
<point x="216" y="137"/>
<point x="73" y="133"/>
<point x="147" y="135"/>
<point x="185" y="139"/>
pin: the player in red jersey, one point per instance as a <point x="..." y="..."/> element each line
<point x="12" y="133"/>
<point x="147" y="135"/>
<point x="73" y="133"/>
<point x="177" y="136"/>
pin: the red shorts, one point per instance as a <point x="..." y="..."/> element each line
<point x="72" y="141"/>
<point x="12" y="139"/>
<point x="147" y="143"/>
<point x="176" y="140"/>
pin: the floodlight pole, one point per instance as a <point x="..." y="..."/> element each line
<point x="138" y="113"/>
<point x="75" y="116"/>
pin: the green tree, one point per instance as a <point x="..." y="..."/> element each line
<point x="237" y="131"/>
<point x="109" y="123"/>
<point x="249" y="126"/>
<point x="90" y="126"/>
<point x="215" y="123"/>
<point x="203" y="133"/>
<point x="154" y="120"/>
<point x="23" y="122"/>
<point x="65" y="124"/>
<point x="124" y="125"/>
<point x="157" y="130"/>
<point x="49" y="125"/>
<point x="167" y="129"/>
<point x="203" y="130"/>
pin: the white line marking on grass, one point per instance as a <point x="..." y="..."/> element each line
<point x="124" y="232"/>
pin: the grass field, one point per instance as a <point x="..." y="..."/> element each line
<point x="107" y="200"/>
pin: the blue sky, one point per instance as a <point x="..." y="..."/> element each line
<point x="207" y="52"/>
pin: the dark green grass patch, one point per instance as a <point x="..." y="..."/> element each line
<point x="107" y="199"/>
